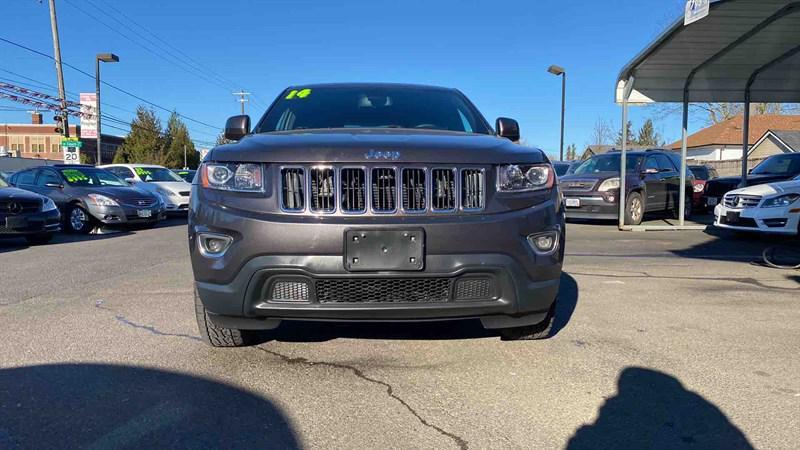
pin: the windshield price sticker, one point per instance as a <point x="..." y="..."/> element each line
<point x="74" y="175"/>
<point x="142" y="172"/>
<point x="303" y="93"/>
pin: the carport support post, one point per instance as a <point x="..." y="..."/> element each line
<point x="626" y="94"/>
<point x="684" y="141"/>
<point x="745" y="136"/>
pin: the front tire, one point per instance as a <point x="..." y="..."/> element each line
<point x="217" y="336"/>
<point x="634" y="209"/>
<point x="78" y="220"/>
<point x="541" y="330"/>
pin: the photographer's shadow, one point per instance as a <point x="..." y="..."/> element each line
<point x="112" y="406"/>
<point x="654" y="410"/>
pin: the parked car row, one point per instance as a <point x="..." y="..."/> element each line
<point x="36" y="202"/>
<point x="770" y="203"/>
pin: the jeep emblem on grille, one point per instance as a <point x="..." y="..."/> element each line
<point x="387" y="155"/>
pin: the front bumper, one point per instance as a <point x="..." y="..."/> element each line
<point x="28" y="224"/>
<point x="493" y="248"/>
<point x="176" y="204"/>
<point x="126" y="214"/>
<point x="592" y="206"/>
<point x="762" y="220"/>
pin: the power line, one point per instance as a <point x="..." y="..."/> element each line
<point x="173" y="61"/>
<point x="76" y="96"/>
<point x="109" y="84"/>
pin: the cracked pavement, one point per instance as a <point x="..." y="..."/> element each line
<point x="666" y="340"/>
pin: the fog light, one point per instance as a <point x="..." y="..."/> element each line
<point x="213" y="245"/>
<point x="544" y="243"/>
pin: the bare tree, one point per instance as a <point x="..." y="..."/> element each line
<point x="719" y="112"/>
<point x="603" y="133"/>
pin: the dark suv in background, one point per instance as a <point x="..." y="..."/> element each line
<point x="374" y="202"/>
<point x="653" y="184"/>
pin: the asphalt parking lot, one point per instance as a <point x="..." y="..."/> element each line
<point x="665" y="340"/>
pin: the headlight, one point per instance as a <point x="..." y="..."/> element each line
<point x="699" y="188"/>
<point x="524" y="177"/>
<point x="102" y="200"/>
<point x="166" y="193"/>
<point x="232" y="177"/>
<point x="783" y="200"/>
<point x="49" y="205"/>
<point x="609" y="184"/>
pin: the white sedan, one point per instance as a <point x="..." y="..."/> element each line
<point x="765" y="208"/>
<point x="157" y="179"/>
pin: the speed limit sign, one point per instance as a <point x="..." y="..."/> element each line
<point x="72" y="155"/>
<point x="72" y="150"/>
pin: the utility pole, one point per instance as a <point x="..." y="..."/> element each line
<point x="242" y="98"/>
<point x="185" y="166"/>
<point x="59" y="72"/>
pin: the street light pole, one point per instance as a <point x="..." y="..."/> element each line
<point x="559" y="71"/>
<point x="108" y="58"/>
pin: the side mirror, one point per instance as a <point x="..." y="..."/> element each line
<point x="237" y="127"/>
<point x="507" y="128"/>
<point x="130" y="180"/>
<point x="54" y="185"/>
<point x="749" y="170"/>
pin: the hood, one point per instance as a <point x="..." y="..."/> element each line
<point x="174" y="186"/>
<point x="12" y="193"/>
<point x="769" y="189"/>
<point x="751" y="180"/>
<point x="376" y="145"/>
<point x="125" y="194"/>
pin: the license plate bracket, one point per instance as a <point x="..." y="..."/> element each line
<point x="384" y="250"/>
<point x="144" y="213"/>
<point x="572" y="202"/>
<point x="16" y="223"/>
<point x="732" y="217"/>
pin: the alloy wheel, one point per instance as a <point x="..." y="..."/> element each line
<point x="77" y="219"/>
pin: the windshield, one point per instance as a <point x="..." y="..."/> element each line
<point x="608" y="163"/>
<point x="700" y="172"/>
<point x="91" y="176"/>
<point x="156" y="174"/>
<point x="778" y="165"/>
<point x="372" y="107"/>
<point x="561" y="168"/>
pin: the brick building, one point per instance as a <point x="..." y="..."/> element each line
<point x="40" y="140"/>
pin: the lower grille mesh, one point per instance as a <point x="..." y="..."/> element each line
<point x="383" y="290"/>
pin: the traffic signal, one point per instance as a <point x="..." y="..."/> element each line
<point x="59" y="124"/>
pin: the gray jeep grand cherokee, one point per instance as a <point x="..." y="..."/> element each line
<point x="374" y="202"/>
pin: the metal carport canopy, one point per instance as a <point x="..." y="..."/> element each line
<point x="741" y="44"/>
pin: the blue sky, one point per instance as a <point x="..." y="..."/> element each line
<point x="496" y="52"/>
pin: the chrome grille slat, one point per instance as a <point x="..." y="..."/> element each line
<point x="472" y="189"/>
<point x="353" y="188"/>
<point x="384" y="189"/>
<point x="444" y="189"/>
<point x="414" y="193"/>
<point x="322" y="189"/>
<point x="293" y="189"/>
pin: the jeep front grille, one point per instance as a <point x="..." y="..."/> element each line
<point x="414" y="190"/>
<point x="322" y="189"/>
<point x="472" y="189"/>
<point x="384" y="190"/>
<point x="354" y="186"/>
<point x="293" y="194"/>
<point x="444" y="189"/>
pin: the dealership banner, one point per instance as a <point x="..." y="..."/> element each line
<point x="88" y="115"/>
